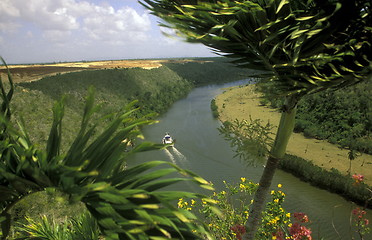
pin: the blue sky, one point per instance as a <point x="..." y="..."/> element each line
<point x="39" y="31"/>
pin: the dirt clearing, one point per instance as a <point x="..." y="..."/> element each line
<point x="33" y="72"/>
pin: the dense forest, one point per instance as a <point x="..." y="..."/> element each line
<point x="155" y="90"/>
<point x="342" y="117"/>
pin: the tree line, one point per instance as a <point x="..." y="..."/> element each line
<point x="343" y="116"/>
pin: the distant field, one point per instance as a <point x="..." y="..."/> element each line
<point x="32" y="72"/>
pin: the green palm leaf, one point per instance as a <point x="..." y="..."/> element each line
<point x="127" y="203"/>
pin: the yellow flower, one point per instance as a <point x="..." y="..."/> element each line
<point x="283" y="194"/>
<point x="192" y="202"/>
<point x="272" y="192"/>
<point x="243" y="179"/>
<point x="274" y="237"/>
<point x="276" y="200"/>
<point x="280" y="185"/>
<point x="223" y="192"/>
<point x="242" y="186"/>
<point x="180" y="203"/>
<point x="288" y="215"/>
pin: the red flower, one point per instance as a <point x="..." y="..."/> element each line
<point x="359" y="212"/>
<point x="366" y="221"/>
<point x="239" y="230"/>
<point x="298" y="232"/>
<point x="302" y="217"/>
<point x="358" y="178"/>
<point x="279" y="235"/>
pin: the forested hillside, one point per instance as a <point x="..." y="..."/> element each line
<point x="210" y="70"/>
<point x="155" y="89"/>
<point x="342" y="117"/>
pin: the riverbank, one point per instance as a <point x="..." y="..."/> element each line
<point x="242" y="102"/>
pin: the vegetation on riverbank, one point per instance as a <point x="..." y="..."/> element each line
<point x="331" y="180"/>
<point x="155" y="89"/>
<point x="342" y="117"/>
<point x="326" y="166"/>
<point x="205" y="71"/>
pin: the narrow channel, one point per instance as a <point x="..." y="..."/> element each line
<point x="201" y="149"/>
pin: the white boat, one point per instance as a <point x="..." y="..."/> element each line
<point x="168" y="140"/>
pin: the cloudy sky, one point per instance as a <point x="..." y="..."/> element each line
<point x="39" y="31"/>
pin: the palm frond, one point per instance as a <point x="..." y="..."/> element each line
<point x="305" y="45"/>
<point x="127" y="203"/>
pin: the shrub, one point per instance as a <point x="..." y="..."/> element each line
<point x="331" y="180"/>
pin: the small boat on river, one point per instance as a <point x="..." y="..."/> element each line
<point x="168" y="140"/>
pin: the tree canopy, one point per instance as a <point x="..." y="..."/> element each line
<point x="306" y="46"/>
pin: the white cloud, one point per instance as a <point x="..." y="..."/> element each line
<point x="99" y="22"/>
<point x="8" y="13"/>
<point x="7" y="9"/>
<point x="122" y="25"/>
<point x="60" y="30"/>
<point x="56" y="36"/>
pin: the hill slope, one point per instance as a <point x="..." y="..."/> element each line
<point x="155" y="89"/>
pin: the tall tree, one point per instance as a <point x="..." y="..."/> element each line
<point x="305" y="46"/>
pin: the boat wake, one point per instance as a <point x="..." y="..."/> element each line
<point x="175" y="155"/>
<point x="179" y="154"/>
<point x="170" y="155"/>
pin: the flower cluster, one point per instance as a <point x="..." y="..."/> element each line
<point x="361" y="222"/>
<point x="358" y="178"/>
<point x="296" y="230"/>
<point x="274" y="217"/>
<point x="233" y="205"/>
<point x="299" y="232"/>
<point x="239" y="230"/>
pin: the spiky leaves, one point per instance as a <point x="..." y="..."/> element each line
<point x="128" y="203"/>
<point x="306" y="46"/>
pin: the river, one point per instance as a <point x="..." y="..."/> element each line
<point x="201" y="149"/>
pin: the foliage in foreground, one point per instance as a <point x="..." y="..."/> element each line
<point x="277" y="223"/>
<point x="127" y="203"/>
<point x="233" y="202"/>
<point x="82" y="227"/>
